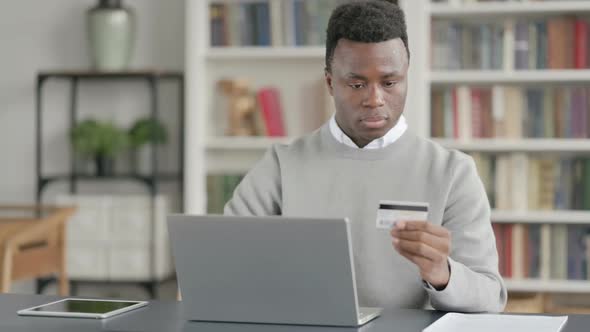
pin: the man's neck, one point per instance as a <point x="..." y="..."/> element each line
<point x="389" y="137"/>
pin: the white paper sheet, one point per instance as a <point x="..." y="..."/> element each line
<point x="455" y="322"/>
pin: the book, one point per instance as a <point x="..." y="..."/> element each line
<point x="269" y="101"/>
<point x="218" y="24"/>
<point x="220" y="188"/>
<point x="521" y="45"/>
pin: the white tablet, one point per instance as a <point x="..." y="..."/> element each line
<point x="83" y="308"/>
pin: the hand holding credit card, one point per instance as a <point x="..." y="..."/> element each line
<point x="423" y="243"/>
<point x="390" y="212"/>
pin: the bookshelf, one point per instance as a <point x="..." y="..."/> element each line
<point x="296" y="70"/>
<point x="506" y="14"/>
<point x="298" y="73"/>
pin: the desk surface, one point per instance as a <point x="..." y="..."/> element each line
<point x="163" y="316"/>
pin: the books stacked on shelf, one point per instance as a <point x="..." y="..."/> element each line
<point x="220" y="188"/>
<point x="519" y="182"/>
<point x="465" y="112"/>
<point x="240" y="23"/>
<point x="544" y="252"/>
<point x="559" y="42"/>
<point x="270" y="22"/>
<point x="460" y="45"/>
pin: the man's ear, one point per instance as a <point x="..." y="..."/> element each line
<point x="328" y="78"/>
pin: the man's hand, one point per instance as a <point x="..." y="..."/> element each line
<point x="426" y="245"/>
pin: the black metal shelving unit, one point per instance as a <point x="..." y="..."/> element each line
<point x="153" y="78"/>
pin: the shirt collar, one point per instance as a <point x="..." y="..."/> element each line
<point x="390" y="137"/>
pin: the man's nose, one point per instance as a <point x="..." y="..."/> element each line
<point x="374" y="98"/>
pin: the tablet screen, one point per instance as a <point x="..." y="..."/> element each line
<point x="85" y="306"/>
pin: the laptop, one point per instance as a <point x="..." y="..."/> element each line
<point x="276" y="270"/>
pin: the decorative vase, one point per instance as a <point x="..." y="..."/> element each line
<point x="111" y="35"/>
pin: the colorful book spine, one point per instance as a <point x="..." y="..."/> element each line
<point x="269" y="101"/>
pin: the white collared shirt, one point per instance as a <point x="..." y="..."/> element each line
<point x="391" y="136"/>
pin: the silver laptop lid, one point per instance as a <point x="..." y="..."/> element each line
<point x="265" y="269"/>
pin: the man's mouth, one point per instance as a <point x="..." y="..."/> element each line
<point x="374" y="122"/>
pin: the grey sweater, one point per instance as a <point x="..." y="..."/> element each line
<point x="316" y="176"/>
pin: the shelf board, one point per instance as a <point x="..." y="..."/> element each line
<point x="552" y="217"/>
<point x="550" y="286"/>
<point x="96" y="74"/>
<point x="245" y="143"/>
<point x="510" y="77"/>
<point x="517" y="145"/>
<point x="265" y="53"/>
<point x="508" y="8"/>
<point x="114" y="177"/>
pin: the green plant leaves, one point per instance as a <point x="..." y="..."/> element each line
<point x="146" y="129"/>
<point x="93" y="138"/>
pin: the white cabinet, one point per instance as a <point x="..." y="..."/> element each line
<point x="87" y="260"/>
<point x="118" y="238"/>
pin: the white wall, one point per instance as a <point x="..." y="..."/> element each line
<point x="47" y="35"/>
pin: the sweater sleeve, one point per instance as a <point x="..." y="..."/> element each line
<point x="475" y="284"/>
<point x="259" y="192"/>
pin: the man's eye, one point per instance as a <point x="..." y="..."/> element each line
<point x="390" y="84"/>
<point x="357" y="86"/>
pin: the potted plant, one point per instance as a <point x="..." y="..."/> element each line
<point x="100" y="141"/>
<point x="143" y="132"/>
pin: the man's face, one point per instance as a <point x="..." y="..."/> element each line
<point x="369" y="84"/>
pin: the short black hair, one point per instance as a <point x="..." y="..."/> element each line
<point x="369" y="21"/>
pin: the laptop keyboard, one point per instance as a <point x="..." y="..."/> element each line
<point x="362" y="313"/>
